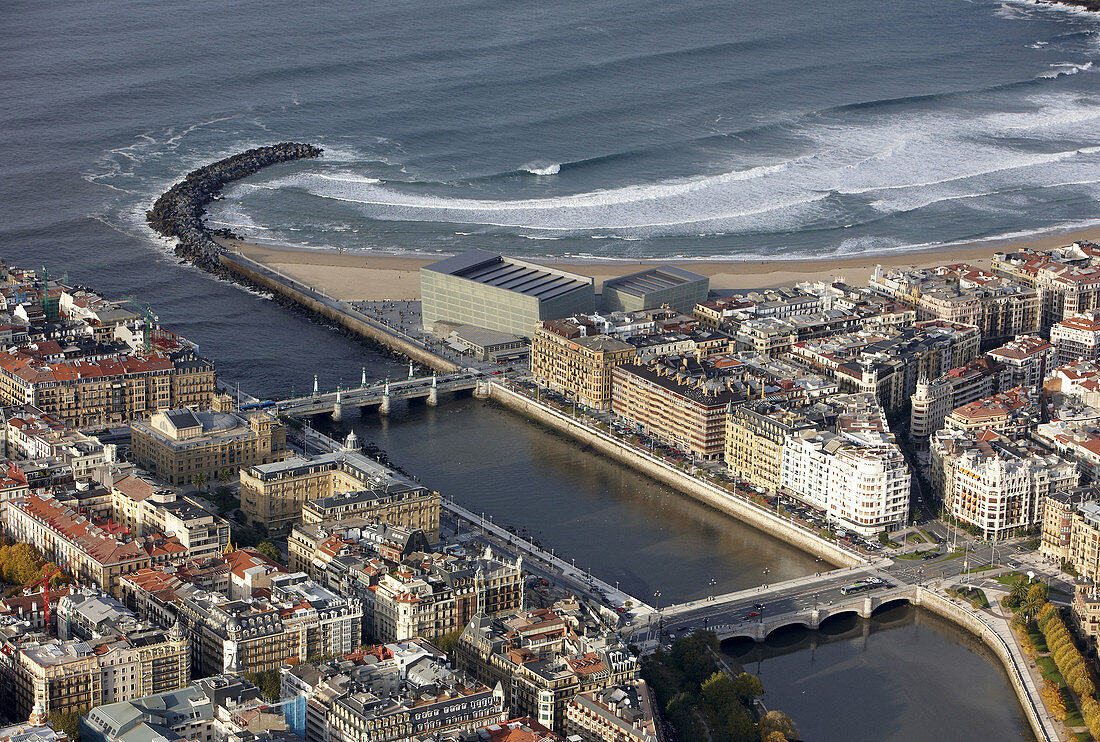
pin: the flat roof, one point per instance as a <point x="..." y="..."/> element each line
<point x="652" y="279"/>
<point x="521" y="277"/>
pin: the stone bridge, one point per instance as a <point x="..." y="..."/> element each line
<point x="863" y="605"/>
<point x="381" y="394"/>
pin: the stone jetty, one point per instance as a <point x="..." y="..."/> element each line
<point x="179" y="211"/>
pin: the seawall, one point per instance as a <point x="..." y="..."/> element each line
<point x="1007" y="651"/>
<point x="761" y="518"/>
<point x="318" y="304"/>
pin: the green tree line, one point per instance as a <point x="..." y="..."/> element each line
<point x="702" y="701"/>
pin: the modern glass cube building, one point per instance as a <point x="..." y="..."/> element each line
<point x="504" y="294"/>
<point x="654" y="287"/>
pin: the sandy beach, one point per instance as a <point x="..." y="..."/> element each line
<point x="355" y="277"/>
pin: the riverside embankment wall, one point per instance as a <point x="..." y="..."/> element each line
<point x="754" y="515"/>
<point x="318" y="306"/>
<point x="1007" y="651"/>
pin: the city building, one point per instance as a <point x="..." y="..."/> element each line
<point x="994" y="484"/>
<point x="755" y="437"/>
<point x="196" y="448"/>
<point x="1086" y="609"/>
<point x="684" y="411"/>
<point x="93" y="553"/>
<point x="1057" y="522"/>
<point x="960" y="293"/>
<point x="1013" y="413"/>
<point x="386" y="693"/>
<point x="222" y="708"/>
<point x="343" y="483"/>
<point x="29" y="433"/>
<point x="1077" y="338"/>
<point x="577" y="365"/>
<point x="847" y="465"/>
<point x="620" y="713"/>
<point x="148" y="509"/>
<point x="935" y="399"/>
<point x="504" y="294"/>
<point x="101" y="391"/>
<point x="435" y="599"/>
<point x="1026" y="360"/>
<point x="541" y="662"/>
<point x="663" y="285"/>
<point x="79" y="674"/>
<point x="297" y="619"/>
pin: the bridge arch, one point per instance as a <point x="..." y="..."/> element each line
<point x="893" y="602"/>
<point x="794" y="623"/>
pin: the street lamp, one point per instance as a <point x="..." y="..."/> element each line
<point x="712" y="583"/>
<point x="657" y="596"/>
<point x="766" y="570"/>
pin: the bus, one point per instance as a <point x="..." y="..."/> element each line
<point x="861" y="586"/>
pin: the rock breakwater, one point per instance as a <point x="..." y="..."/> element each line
<point x="179" y="211"/>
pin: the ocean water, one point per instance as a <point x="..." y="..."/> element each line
<point x="609" y="129"/>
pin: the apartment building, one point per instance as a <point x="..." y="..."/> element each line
<point x="1077" y="338"/>
<point x="437" y="597"/>
<point x="680" y="410"/>
<point x="578" y="366"/>
<point x="223" y="708"/>
<point x="1012" y="413"/>
<point x="541" y="662"/>
<point x="299" y="619"/>
<point x="398" y="691"/>
<point x="960" y="293"/>
<point x="147" y="508"/>
<point x="935" y="399"/>
<point x="344" y="483"/>
<point x="64" y="675"/>
<point x="994" y="484"/>
<point x="848" y="465"/>
<point x="1057" y="521"/>
<point x="621" y="713"/>
<point x="188" y="447"/>
<point x="1026" y="360"/>
<point x="755" y="437"/>
<point x="98" y="553"/>
<point x="107" y="390"/>
<point x="29" y="433"/>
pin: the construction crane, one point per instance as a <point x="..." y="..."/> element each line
<point x="47" y="575"/>
<point x="151" y="320"/>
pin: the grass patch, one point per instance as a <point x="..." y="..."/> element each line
<point x="1073" y="714"/>
<point x="983" y="568"/>
<point x="1050" y="671"/>
<point x="911" y="557"/>
<point x="1010" y="578"/>
<point x="915" y="538"/>
<point x="1037" y="639"/>
<point x="1082" y="737"/>
<point x="976" y="596"/>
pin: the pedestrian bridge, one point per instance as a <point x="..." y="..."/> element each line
<point x="863" y="605"/>
<point x="381" y="394"/>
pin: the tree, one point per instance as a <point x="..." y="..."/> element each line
<point x="224" y="476"/>
<point x="777" y="721"/>
<point x="198" y="481"/>
<point x="68" y="721"/>
<point x="738" y="726"/>
<point x="718" y="693"/>
<point x="269" y="550"/>
<point x="747" y="687"/>
<point x="449" y="641"/>
<point x="267" y="682"/>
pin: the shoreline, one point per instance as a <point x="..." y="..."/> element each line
<point x="359" y="277"/>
